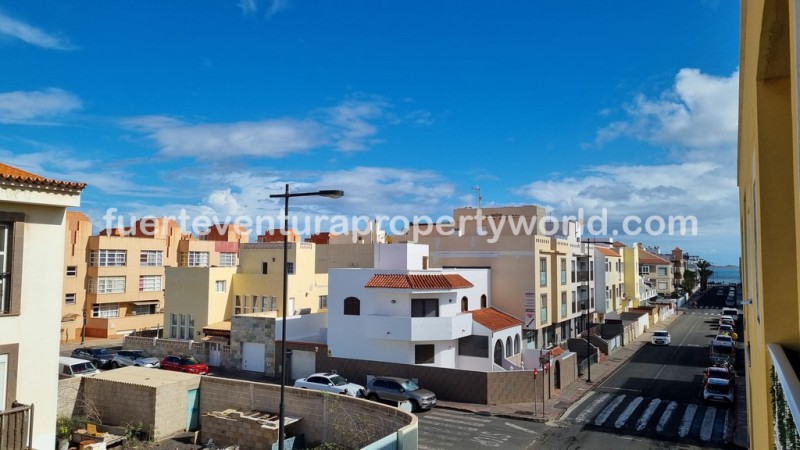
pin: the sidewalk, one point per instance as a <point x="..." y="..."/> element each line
<point x="563" y="398"/>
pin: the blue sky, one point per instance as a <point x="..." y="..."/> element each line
<point x="210" y="106"/>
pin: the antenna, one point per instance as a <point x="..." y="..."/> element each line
<point x="480" y="197"/>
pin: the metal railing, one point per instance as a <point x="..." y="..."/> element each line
<point x="16" y="427"/>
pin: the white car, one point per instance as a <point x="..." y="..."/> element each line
<point x="330" y="382"/>
<point x="660" y="337"/>
<point x="723" y="338"/>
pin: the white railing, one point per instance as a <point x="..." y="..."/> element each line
<point x="789" y="385"/>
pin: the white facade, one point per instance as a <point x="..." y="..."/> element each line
<point x="384" y="329"/>
<point x="34" y="213"/>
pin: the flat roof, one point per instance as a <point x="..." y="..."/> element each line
<point x="144" y="376"/>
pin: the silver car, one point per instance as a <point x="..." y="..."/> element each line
<point x="399" y="390"/>
<point x="138" y="358"/>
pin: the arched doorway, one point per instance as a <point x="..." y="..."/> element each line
<point x="498" y="352"/>
<point x="483" y="301"/>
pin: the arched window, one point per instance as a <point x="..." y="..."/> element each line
<point x="352" y="306"/>
<point x="516" y="344"/>
<point x="498" y="352"/>
<point x="464" y="304"/>
<point x="483" y="301"/>
<point x="509" y="348"/>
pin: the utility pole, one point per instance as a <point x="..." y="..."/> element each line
<point x="480" y="197"/>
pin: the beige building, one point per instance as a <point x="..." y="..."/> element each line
<point x="611" y="280"/>
<point x="78" y="231"/>
<point x="32" y="224"/>
<point x="196" y="297"/>
<point x="656" y="272"/>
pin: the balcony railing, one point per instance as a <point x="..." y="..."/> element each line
<point x="785" y="391"/>
<point x="418" y="328"/>
<point x="16" y="428"/>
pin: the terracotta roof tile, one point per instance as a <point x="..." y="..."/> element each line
<point x="618" y="244"/>
<point x="9" y="173"/>
<point x="420" y="281"/>
<point x="607" y="251"/>
<point x="494" y="319"/>
<point x="646" y="257"/>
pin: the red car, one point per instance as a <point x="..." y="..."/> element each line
<point x="184" y="363"/>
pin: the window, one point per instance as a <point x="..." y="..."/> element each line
<point x="424" y="307"/>
<point x="264" y="267"/>
<point x="108" y="258"/>
<point x="222" y="285"/>
<point x="107" y="285"/>
<point x="9" y="297"/>
<point x="143" y="310"/>
<point x="574" y="302"/>
<point x="69" y="299"/>
<point x="543" y="272"/>
<point x="464" y="304"/>
<point x="105" y="310"/>
<point x="173" y="328"/>
<point x="423" y="354"/>
<point x="473" y="345"/>
<point x="352" y="306"/>
<point x="563" y="271"/>
<point x="323" y="302"/>
<point x="227" y="259"/>
<point x="72" y="271"/>
<point x="608" y="266"/>
<point x="237" y="305"/>
<point x="662" y="271"/>
<point x="563" y="304"/>
<point x="644" y="270"/>
<point x="591" y="298"/>
<point x="149" y="283"/>
<point x="543" y="309"/>
<point x="573" y="270"/>
<point x="509" y="348"/>
<point x="151" y="258"/>
<point x="273" y="303"/>
<point x="194" y="259"/>
<point x="290" y="267"/>
<point x="517" y="345"/>
<point x="662" y="285"/>
<point x="483" y="301"/>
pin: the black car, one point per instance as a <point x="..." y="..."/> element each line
<point x="101" y="357"/>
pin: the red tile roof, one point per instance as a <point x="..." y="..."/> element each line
<point x="618" y="244"/>
<point x="494" y="319"/>
<point x="646" y="257"/>
<point x="9" y="173"/>
<point x="423" y="281"/>
<point x="607" y="251"/>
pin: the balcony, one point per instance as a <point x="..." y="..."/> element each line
<point x="16" y="427"/>
<point x="786" y="396"/>
<point x="416" y="329"/>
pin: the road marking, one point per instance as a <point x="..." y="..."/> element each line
<point x="651" y="408"/>
<point x="725" y="427"/>
<point x="665" y="416"/>
<point x="608" y="410"/>
<point x="457" y="427"/>
<point x="584" y="415"/>
<point x="439" y="436"/>
<point x="686" y="422"/>
<point x="627" y="413"/>
<point x="438" y="414"/>
<point x="708" y="424"/>
<point x="521" y="428"/>
<point x="670" y="357"/>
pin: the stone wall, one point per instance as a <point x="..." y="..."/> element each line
<point x="260" y="330"/>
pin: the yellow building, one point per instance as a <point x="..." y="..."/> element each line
<point x="770" y="219"/>
<point x="194" y="298"/>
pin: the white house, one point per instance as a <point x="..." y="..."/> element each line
<point x="402" y="312"/>
<point x="32" y="218"/>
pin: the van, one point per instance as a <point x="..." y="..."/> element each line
<point x="733" y="312"/>
<point x="74" y="367"/>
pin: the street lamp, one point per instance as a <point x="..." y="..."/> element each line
<point x="588" y="341"/>
<point x="285" y="196"/>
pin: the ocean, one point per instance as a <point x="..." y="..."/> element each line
<point x="725" y="274"/>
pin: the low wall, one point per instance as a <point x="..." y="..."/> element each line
<point x="324" y="418"/>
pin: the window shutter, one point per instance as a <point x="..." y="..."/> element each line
<point x="3" y="378"/>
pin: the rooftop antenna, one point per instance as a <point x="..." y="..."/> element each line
<point x="480" y="197"/>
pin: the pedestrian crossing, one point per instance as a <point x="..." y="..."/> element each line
<point x="441" y="429"/>
<point x="631" y="414"/>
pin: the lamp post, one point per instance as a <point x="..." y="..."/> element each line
<point x="588" y="341"/>
<point x="285" y="196"/>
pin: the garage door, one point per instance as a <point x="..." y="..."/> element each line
<point x="253" y="356"/>
<point x="303" y="363"/>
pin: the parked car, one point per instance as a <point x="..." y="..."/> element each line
<point x="660" y="337"/>
<point x="722" y="353"/>
<point x="330" y="382"/>
<point x="732" y="312"/>
<point x="727" y="320"/>
<point x="184" y="363"/>
<point x="718" y="389"/>
<point x="100" y="356"/>
<point x="723" y="338"/>
<point x="74" y="367"/>
<point x="138" y="358"/>
<point x="718" y="372"/>
<point x="730" y="301"/>
<point x="727" y="330"/>
<point x="398" y="390"/>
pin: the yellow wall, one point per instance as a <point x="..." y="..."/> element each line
<point x="78" y="229"/>
<point x="193" y="290"/>
<point x="768" y="195"/>
<point x="630" y="259"/>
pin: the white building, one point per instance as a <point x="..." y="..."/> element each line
<point x="32" y="221"/>
<point x="401" y="312"/>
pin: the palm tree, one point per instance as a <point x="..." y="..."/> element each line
<point x="689" y="282"/>
<point x="704" y="272"/>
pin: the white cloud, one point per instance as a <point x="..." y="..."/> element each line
<point x="32" y="35"/>
<point x="250" y="7"/>
<point x="347" y="127"/>
<point x="32" y="106"/>
<point x="700" y="111"/>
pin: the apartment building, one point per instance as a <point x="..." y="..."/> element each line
<point x="656" y="272"/>
<point x="32" y="224"/>
<point x="610" y="281"/>
<point x="768" y="157"/>
<point x="73" y="314"/>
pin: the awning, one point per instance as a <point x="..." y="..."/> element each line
<point x="148" y="302"/>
